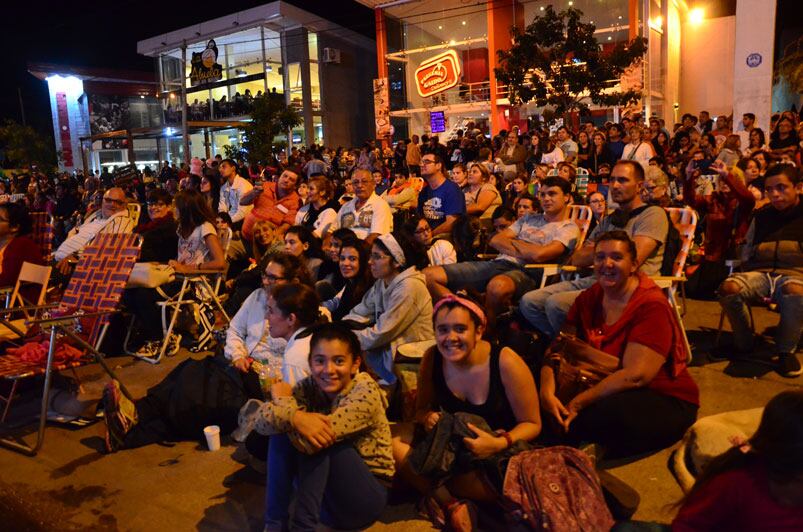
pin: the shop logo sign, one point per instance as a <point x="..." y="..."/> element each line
<point x="438" y="74"/>
<point x="753" y="60"/>
<point x="205" y="68"/>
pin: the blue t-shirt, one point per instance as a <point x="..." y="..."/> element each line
<point x="616" y="148"/>
<point x="435" y="205"/>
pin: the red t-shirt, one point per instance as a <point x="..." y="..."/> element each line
<point x="737" y="501"/>
<point x="647" y="320"/>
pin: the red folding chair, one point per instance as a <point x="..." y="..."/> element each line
<point x="80" y="319"/>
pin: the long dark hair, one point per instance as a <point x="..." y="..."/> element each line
<point x="192" y="211"/>
<point x="464" y="232"/>
<point x="299" y="299"/>
<point x="363" y="281"/>
<point x="306" y="236"/>
<point x="777" y="445"/>
<point x="293" y="268"/>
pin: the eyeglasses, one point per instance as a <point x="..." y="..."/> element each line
<point x="379" y="256"/>
<point x="112" y="200"/>
<point x="272" y="278"/>
<point x="427" y="161"/>
<point x="594" y="201"/>
<point x="422" y="231"/>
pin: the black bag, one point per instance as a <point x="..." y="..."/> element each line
<point x="205" y="392"/>
<point x="672" y="247"/>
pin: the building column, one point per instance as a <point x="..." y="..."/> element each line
<point x="754" y="50"/>
<point x="502" y="14"/>
<point x="381" y="43"/>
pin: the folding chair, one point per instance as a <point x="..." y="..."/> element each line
<point x="580" y="215"/>
<point x="204" y="302"/>
<point x="92" y="294"/>
<point x="685" y="221"/>
<point x="16" y="304"/>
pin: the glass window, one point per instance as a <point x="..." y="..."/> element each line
<point x="295" y="84"/>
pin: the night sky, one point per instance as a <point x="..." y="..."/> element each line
<point x="104" y="33"/>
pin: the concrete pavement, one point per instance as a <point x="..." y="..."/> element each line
<point x="70" y="485"/>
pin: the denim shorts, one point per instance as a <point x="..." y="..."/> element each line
<point x="762" y="286"/>
<point x="477" y="274"/>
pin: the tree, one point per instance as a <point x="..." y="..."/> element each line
<point x="24" y="145"/>
<point x="271" y="117"/>
<point x="556" y="61"/>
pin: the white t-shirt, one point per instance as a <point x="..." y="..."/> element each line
<point x="535" y="229"/>
<point x="641" y="153"/>
<point x="323" y="224"/>
<point x="193" y="249"/>
<point x="441" y="252"/>
<point x="373" y="217"/>
<point x="553" y="158"/>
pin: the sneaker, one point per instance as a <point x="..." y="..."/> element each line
<point x="120" y="415"/>
<point x="789" y="366"/>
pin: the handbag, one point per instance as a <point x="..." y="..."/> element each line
<point x="578" y="366"/>
<point x="150" y="275"/>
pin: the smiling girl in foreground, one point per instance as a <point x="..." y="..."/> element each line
<point x="331" y="436"/>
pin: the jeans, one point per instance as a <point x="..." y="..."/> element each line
<point x="477" y="274"/>
<point x="759" y="286"/>
<point x="334" y="487"/>
<point x="546" y="308"/>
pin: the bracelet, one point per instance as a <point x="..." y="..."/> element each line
<point x="508" y="438"/>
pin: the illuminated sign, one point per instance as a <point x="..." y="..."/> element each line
<point x="205" y="68"/>
<point x="437" y="122"/>
<point x="438" y="74"/>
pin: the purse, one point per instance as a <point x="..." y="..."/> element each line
<point x="150" y="275"/>
<point x="578" y="366"/>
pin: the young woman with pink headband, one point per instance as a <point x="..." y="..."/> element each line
<point x="464" y="373"/>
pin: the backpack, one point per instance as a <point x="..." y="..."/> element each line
<point x="555" y="489"/>
<point x="204" y="392"/>
<point x="672" y="247"/>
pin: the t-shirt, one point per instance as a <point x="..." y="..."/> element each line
<point x="569" y="148"/>
<point x="535" y="229"/>
<point x="193" y="249"/>
<point x="373" y="217"/>
<point x="737" y="501"/>
<point x="436" y="204"/>
<point x="471" y="198"/>
<point x="651" y="222"/>
<point x="644" y="321"/>
<point x="616" y="148"/>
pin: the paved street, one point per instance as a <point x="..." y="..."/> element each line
<point x="71" y="486"/>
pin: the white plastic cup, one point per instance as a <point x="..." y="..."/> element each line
<point x="212" y="433"/>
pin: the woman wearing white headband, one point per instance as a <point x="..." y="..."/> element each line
<point x="396" y="309"/>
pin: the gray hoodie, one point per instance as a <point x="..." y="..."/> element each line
<point x="398" y="314"/>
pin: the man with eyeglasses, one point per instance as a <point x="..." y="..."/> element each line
<point x="441" y="201"/>
<point x="111" y="218"/>
<point x="366" y="214"/>
<point x="648" y="225"/>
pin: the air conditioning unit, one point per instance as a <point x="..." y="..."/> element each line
<point x="331" y="55"/>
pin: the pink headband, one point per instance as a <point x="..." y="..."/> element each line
<point x="465" y="303"/>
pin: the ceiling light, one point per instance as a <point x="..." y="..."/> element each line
<point x="440" y="27"/>
<point x="464" y="23"/>
<point x="609" y="37"/>
<point x="696" y="16"/>
<point x="542" y="8"/>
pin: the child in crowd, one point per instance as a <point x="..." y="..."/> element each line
<point x="329" y="436"/>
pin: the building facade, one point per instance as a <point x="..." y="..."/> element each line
<point x="692" y="59"/>
<point x="219" y="66"/>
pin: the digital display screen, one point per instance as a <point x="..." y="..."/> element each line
<point x="437" y="121"/>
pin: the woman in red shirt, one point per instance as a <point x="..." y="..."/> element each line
<point x="757" y="485"/>
<point x="16" y="246"/>
<point x="650" y="401"/>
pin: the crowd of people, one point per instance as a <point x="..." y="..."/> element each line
<point x="340" y="263"/>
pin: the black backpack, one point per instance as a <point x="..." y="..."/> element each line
<point x="205" y="392"/>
